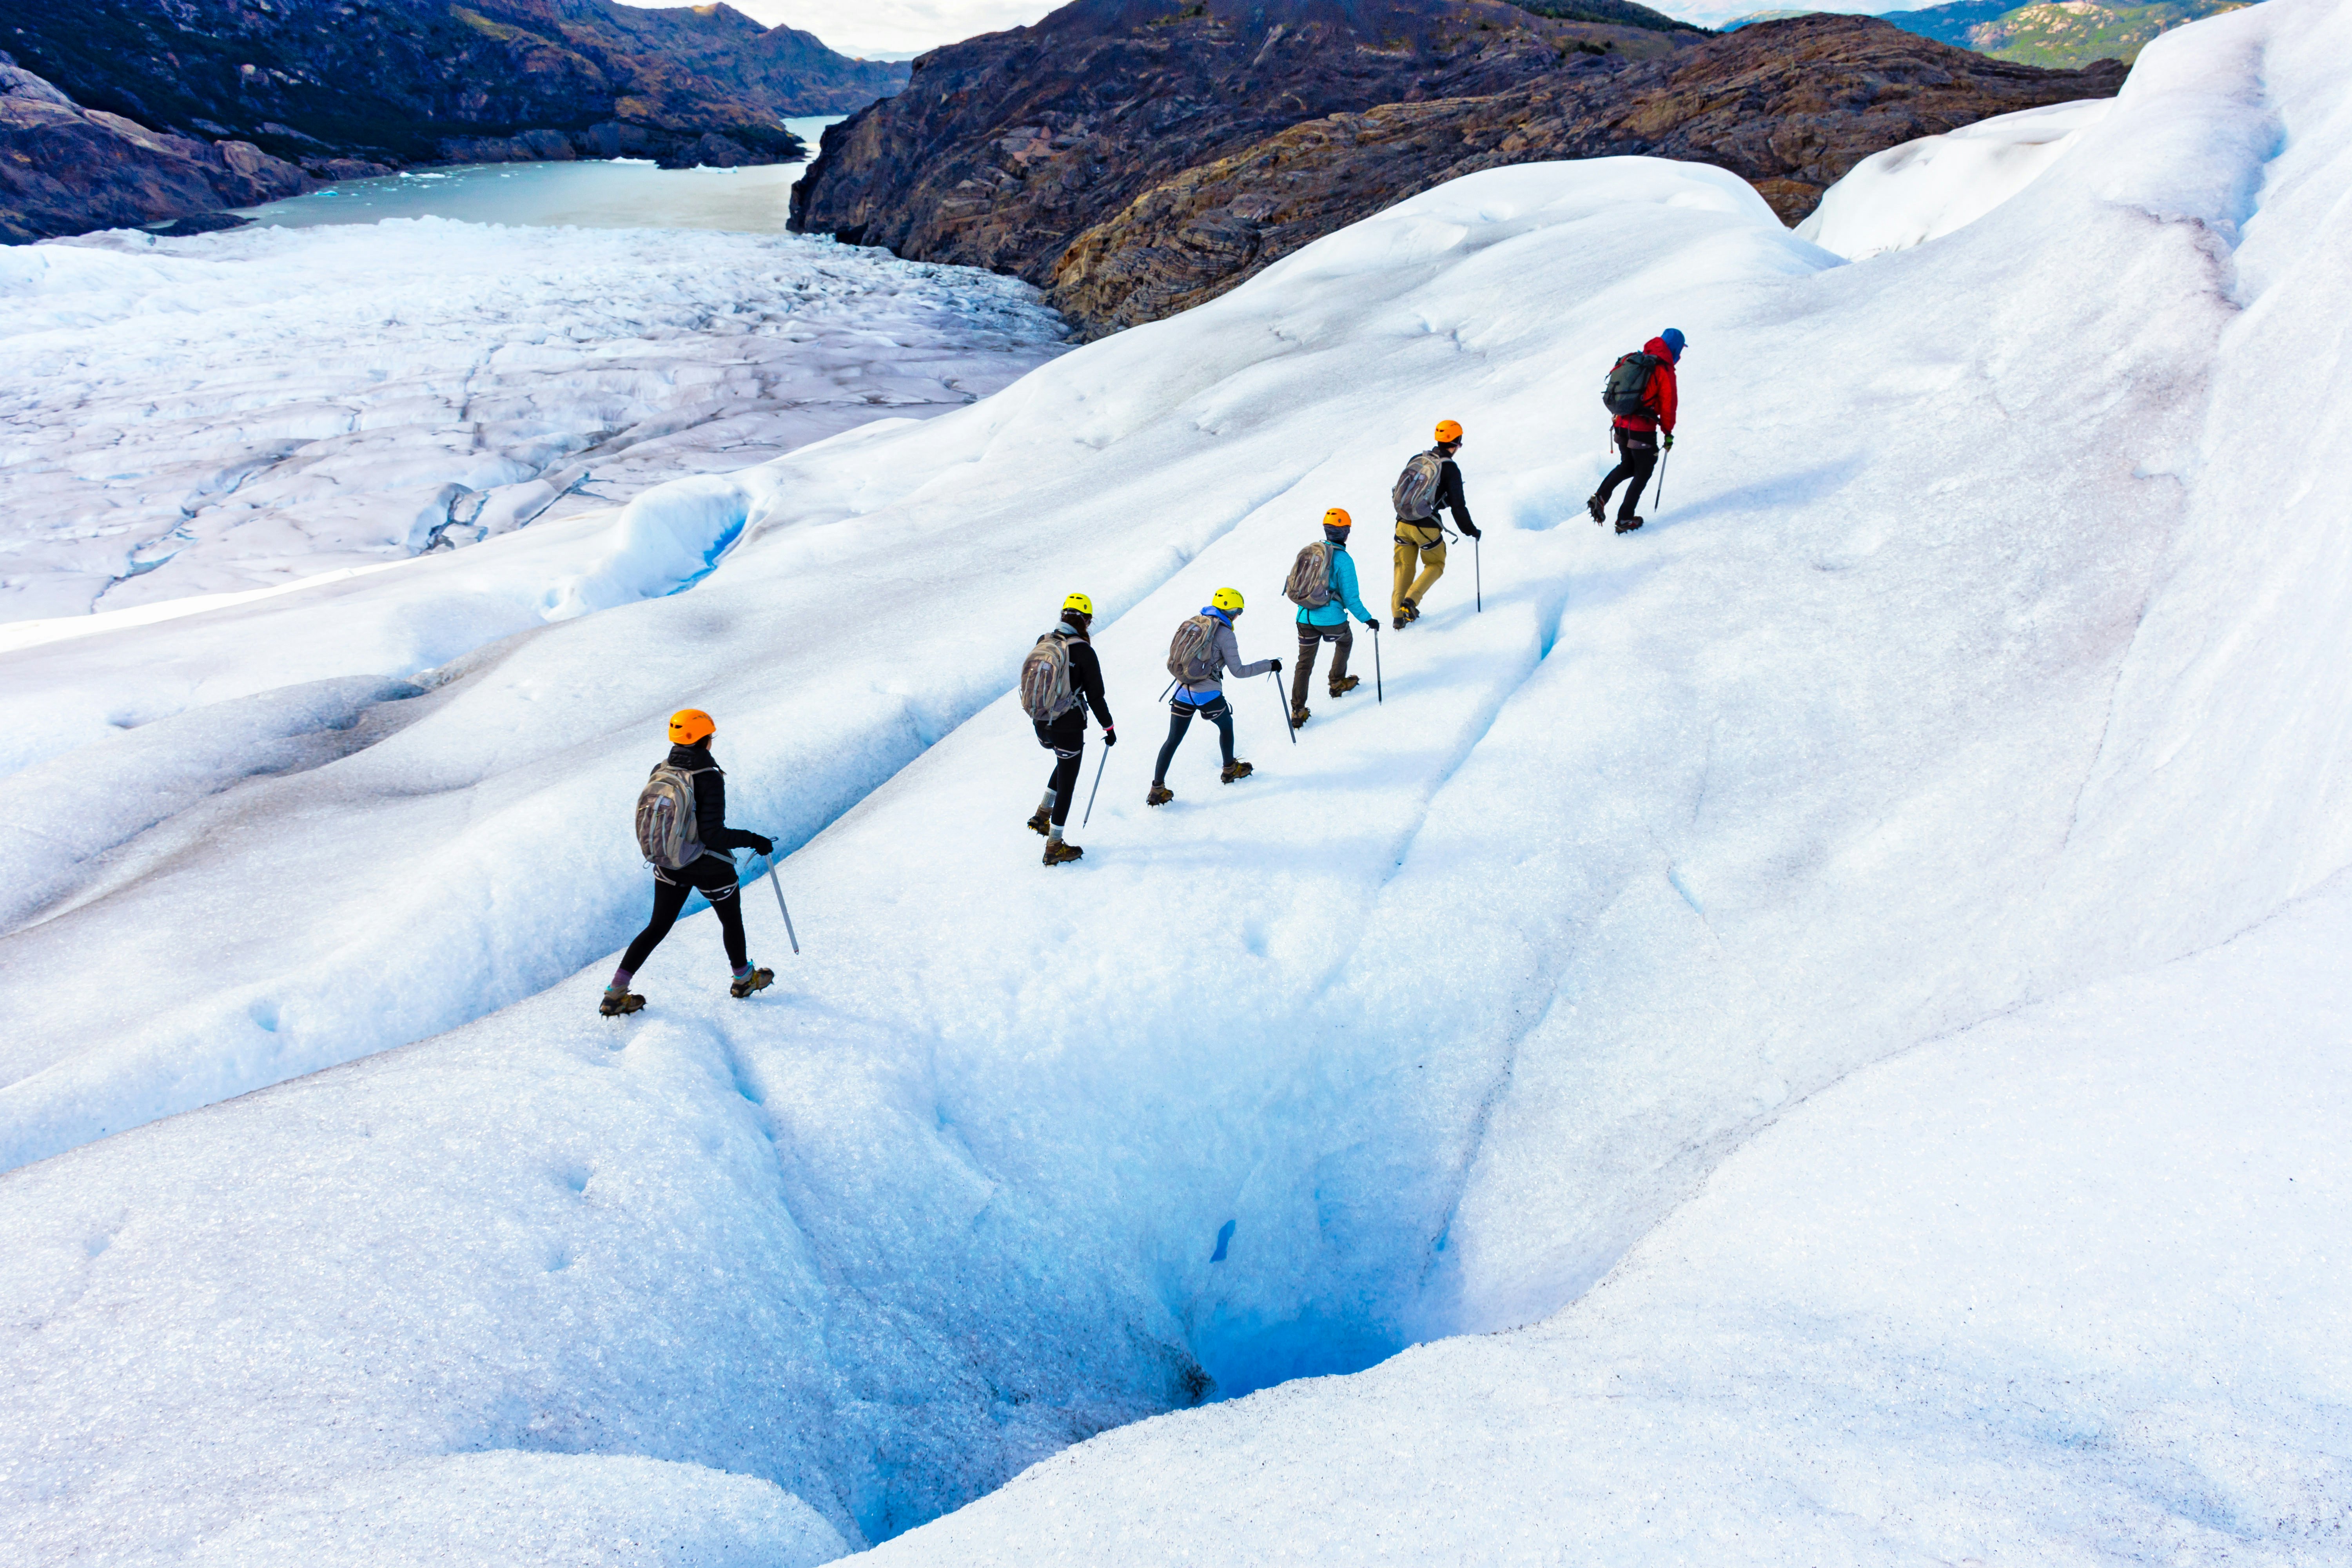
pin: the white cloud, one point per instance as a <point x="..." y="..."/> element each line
<point x="874" y="28"/>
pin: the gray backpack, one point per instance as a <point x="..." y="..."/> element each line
<point x="1309" y="583"/>
<point x="1046" y="693"/>
<point x="1416" y="487"/>
<point x="1193" y="655"/>
<point x="668" y="835"/>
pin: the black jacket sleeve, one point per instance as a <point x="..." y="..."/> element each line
<point x="1086" y="672"/>
<point x="710" y="811"/>
<point x="1449" y="493"/>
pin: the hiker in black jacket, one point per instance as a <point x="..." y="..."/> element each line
<point x="1431" y="484"/>
<point x="713" y="876"/>
<point x="1065" y="735"/>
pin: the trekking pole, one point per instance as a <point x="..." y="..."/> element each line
<point x="1284" y="703"/>
<point x="1658" y="499"/>
<point x="1378" y="695"/>
<point x="1478" y="571"/>
<point x="781" y="911"/>
<point x="1100" y="766"/>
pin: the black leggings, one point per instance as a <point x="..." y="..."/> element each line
<point x="714" y="877"/>
<point x="1066" y="737"/>
<point x="1637" y="458"/>
<point x="1180" y="718"/>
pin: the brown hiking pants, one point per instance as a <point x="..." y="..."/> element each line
<point x="1311" y="639"/>
<point x="1421" y="544"/>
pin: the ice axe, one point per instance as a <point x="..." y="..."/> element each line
<point x="1658" y="497"/>
<point x="1288" y="728"/>
<point x="1478" y="572"/>
<point x="1377" y="694"/>
<point x="1100" y="766"/>
<point x="779" y="886"/>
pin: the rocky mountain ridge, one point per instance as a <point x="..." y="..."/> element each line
<point x="1003" y="148"/>
<point x="403" y="81"/>
<point x="1134" y="163"/>
<point x="1788" y="106"/>
<point x="339" y="87"/>
<point x="65" y="168"/>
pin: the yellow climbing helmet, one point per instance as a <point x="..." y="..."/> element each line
<point x="1080" y="603"/>
<point x="1228" y="600"/>
<point x="1338" y="518"/>
<point x="689" y="725"/>
<point x="1448" y="430"/>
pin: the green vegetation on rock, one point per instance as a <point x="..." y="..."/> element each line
<point x="2060" y="34"/>
<point x="1617" y="13"/>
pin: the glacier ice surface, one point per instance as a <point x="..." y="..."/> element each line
<point x="1806" y="909"/>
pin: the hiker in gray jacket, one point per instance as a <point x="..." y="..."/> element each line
<point x="1204" y="652"/>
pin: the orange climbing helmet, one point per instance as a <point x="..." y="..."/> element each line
<point x="1448" y="430"/>
<point x="1338" y="518"/>
<point x="690" y="727"/>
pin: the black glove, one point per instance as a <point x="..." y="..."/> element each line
<point x="1277" y="666"/>
<point x="1374" y="625"/>
<point x="1110" y="736"/>
<point x="1470" y="528"/>
<point x="764" y="846"/>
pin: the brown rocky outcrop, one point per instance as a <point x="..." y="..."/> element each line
<point x="1006" y="147"/>
<point x="65" y="169"/>
<point x="1789" y="106"/>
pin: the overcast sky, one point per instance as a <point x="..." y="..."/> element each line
<point x="898" y="28"/>
<point x="876" y="28"/>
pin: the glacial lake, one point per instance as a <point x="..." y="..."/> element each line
<point x="599" y="193"/>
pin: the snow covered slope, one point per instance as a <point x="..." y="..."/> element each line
<point x="1925" y="189"/>
<point x="1988" y="647"/>
<point x="240" y="410"/>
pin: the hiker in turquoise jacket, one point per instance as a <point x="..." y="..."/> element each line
<point x="1328" y="622"/>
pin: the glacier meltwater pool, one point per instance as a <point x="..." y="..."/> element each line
<point x="590" y="193"/>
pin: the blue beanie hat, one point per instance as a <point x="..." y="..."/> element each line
<point x="1673" y="338"/>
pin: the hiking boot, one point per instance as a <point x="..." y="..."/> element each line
<point x="1057" y="852"/>
<point x="1396" y="621"/>
<point x="1160" y="794"/>
<point x="619" y="999"/>
<point x="1234" y="770"/>
<point x="1412" y="611"/>
<point x="1298" y="717"/>
<point x="751" y="981"/>
<point x="1042" y="822"/>
<point x="1628" y="525"/>
<point x="1597" y="508"/>
<point x="1344" y="685"/>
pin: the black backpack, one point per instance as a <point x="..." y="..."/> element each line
<point x="1627" y="391"/>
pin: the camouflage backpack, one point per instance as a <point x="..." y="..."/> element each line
<point x="668" y="835"/>
<point x="1416" y="487"/>
<point x="1193" y="654"/>
<point x="1046" y="693"/>
<point x="1309" y="583"/>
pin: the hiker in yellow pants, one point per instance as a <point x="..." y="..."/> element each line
<point x="1429" y="483"/>
<point x="1418" y="546"/>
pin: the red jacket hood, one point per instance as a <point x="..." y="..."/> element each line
<point x="1657" y="346"/>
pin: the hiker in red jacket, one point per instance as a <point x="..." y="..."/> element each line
<point x="1640" y="395"/>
